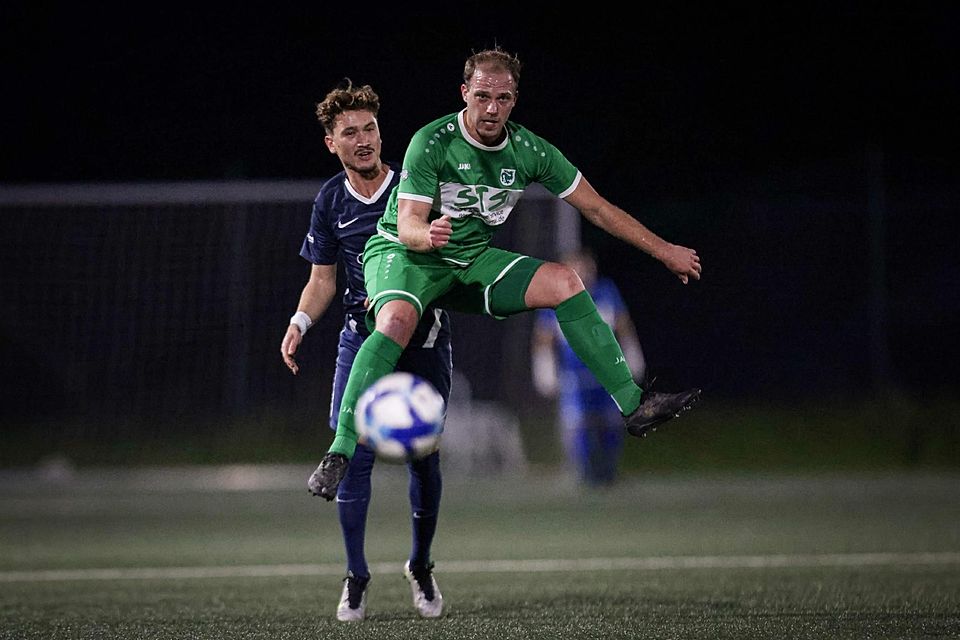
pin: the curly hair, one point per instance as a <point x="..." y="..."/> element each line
<point x="495" y="57"/>
<point x="346" y="98"/>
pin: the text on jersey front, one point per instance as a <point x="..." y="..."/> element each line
<point x="490" y="204"/>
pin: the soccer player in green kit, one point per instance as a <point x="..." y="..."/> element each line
<point x="462" y="176"/>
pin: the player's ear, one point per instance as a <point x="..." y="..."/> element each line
<point x="329" y="142"/>
<point x="464" y="90"/>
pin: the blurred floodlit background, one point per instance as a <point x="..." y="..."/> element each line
<point x="158" y="172"/>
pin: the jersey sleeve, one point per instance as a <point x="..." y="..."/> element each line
<point x="553" y="170"/>
<point x="320" y="246"/>
<point x="421" y="167"/>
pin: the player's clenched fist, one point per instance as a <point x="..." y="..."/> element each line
<point x="440" y="230"/>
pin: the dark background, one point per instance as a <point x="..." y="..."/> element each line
<point x="662" y="101"/>
<point x="809" y="155"/>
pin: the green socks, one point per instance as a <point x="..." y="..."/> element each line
<point x="590" y="337"/>
<point x="593" y="341"/>
<point x="377" y="357"/>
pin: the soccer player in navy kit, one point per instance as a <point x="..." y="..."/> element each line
<point x="345" y="214"/>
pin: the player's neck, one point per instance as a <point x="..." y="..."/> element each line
<point x="367" y="183"/>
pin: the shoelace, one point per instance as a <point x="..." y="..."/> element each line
<point x="424" y="578"/>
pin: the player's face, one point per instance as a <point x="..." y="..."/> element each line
<point x="490" y="97"/>
<point x="356" y="141"/>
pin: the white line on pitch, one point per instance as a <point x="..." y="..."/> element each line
<point x="499" y="566"/>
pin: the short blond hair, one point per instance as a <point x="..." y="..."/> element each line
<point x="496" y="57"/>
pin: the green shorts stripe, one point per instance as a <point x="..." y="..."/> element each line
<point x="397" y="293"/>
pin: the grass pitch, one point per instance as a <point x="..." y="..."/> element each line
<point x="245" y="552"/>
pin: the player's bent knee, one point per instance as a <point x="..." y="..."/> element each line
<point x="397" y="319"/>
<point x="552" y="284"/>
<point x="568" y="282"/>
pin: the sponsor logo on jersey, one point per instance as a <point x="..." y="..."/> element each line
<point x="404" y="174"/>
<point x="489" y="203"/>
<point x="464" y="166"/>
<point x="342" y="225"/>
<point x="507" y="176"/>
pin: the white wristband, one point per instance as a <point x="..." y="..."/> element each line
<point x="302" y="320"/>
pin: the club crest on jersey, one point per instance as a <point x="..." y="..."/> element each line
<point x="507" y="176"/>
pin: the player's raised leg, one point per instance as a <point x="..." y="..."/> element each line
<point x="557" y="285"/>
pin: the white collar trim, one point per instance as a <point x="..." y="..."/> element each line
<point x="375" y="196"/>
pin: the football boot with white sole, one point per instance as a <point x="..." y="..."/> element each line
<point x="426" y="594"/>
<point x="353" y="600"/>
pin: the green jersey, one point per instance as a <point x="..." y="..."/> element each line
<point x="476" y="185"/>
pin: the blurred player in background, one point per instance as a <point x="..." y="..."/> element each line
<point x="462" y="176"/>
<point x="591" y="427"/>
<point x="345" y="215"/>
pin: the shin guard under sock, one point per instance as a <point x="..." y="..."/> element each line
<point x="377" y="357"/>
<point x="593" y="341"/>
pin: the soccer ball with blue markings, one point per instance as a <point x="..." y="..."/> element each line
<point x="401" y="417"/>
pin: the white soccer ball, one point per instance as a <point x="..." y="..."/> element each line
<point x="400" y="417"/>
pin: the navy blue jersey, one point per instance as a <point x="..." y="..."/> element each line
<point x="341" y="222"/>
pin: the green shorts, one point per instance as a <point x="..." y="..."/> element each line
<point x="493" y="284"/>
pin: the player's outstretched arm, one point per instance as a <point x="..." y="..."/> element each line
<point x="682" y="261"/>
<point x="314" y="300"/>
